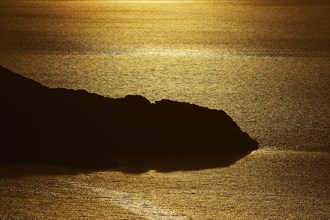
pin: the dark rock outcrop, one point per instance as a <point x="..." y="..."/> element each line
<point x="64" y="126"/>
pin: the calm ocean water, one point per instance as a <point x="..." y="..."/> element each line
<point x="266" y="63"/>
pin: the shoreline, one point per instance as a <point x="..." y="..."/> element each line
<point x="263" y="185"/>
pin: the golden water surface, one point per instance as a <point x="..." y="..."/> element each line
<point x="266" y="63"/>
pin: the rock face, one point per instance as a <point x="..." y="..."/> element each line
<point x="39" y="124"/>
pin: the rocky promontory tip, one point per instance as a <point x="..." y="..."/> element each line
<point x="43" y="125"/>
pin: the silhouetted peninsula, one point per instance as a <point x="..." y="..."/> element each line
<point x="62" y="126"/>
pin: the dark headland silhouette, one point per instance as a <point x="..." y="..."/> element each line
<point x="68" y="127"/>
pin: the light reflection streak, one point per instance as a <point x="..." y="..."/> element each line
<point x="131" y="203"/>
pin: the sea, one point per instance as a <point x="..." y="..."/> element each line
<point x="266" y="63"/>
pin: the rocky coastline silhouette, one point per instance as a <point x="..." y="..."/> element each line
<point x="74" y="127"/>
